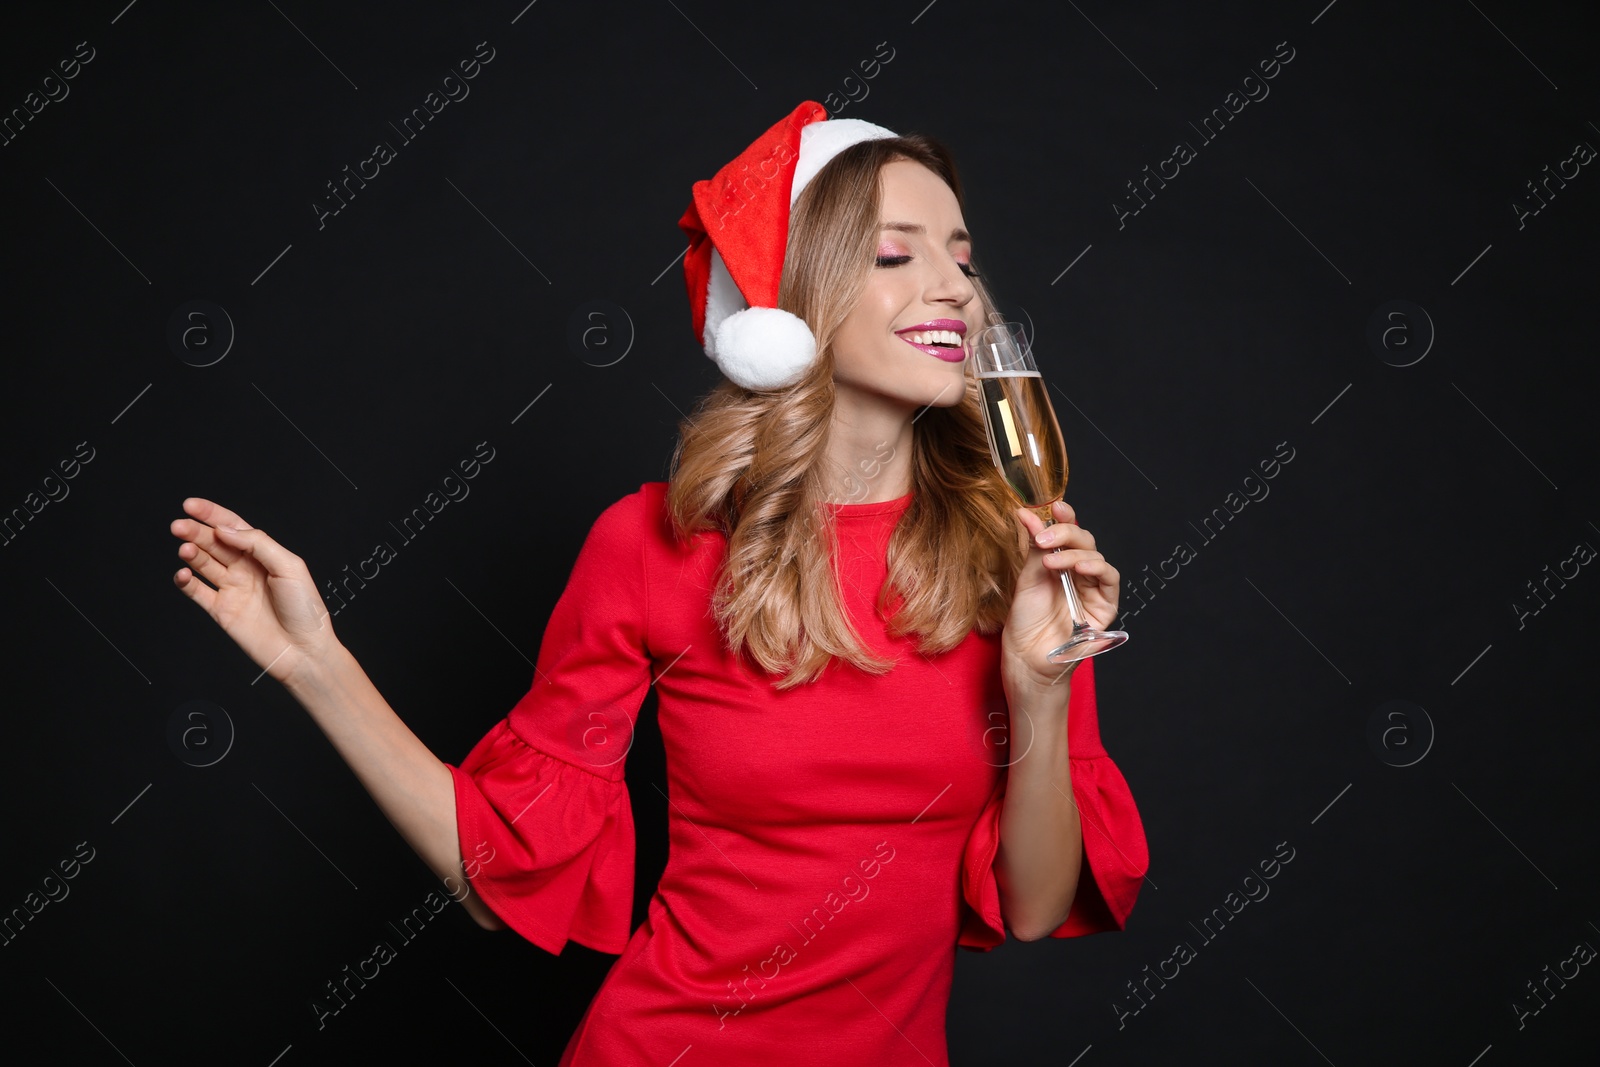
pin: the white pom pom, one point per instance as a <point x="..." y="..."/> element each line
<point x="763" y="348"/>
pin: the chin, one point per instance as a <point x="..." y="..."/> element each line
<point x="940" y="386"/>
<point x="948" y="389"/>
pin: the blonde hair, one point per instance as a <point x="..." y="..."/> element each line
<point x="748" y="463"/>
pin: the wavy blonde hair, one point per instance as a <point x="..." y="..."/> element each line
<point x="748" y="464"/>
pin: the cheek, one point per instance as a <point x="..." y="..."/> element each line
<point x="867" y="333"/>
<point x="879" y="309"/>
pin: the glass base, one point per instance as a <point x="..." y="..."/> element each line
<point x="1085" y="643"/>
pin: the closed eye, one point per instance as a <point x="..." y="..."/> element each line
<point x="895" y="261"/>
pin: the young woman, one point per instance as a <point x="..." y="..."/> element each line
<point x="846" y="618"/>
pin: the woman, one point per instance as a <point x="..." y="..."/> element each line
<point x="843" y="624"/>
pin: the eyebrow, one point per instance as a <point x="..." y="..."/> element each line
<point x="957" y="234"/>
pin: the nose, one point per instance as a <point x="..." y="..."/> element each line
<point x="953" y="286"/>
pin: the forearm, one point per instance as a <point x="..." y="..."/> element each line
<point x="1041" y="836"/>
<point x="412" y="786"/>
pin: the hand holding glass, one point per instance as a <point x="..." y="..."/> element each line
<point x="1025" y="443"/>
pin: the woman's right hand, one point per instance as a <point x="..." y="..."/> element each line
<point x="264" y="597"/>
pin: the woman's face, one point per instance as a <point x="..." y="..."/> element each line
<point x="919" y="278"/>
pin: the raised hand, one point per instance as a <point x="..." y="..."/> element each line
<point x="1040" y="619"/>
<point x="259" y="592"/>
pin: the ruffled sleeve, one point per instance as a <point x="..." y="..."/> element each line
<point x="1116" y="855"/>
<point x="543" y="813"/>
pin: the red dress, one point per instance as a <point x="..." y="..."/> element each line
<point x="829" y="846"/>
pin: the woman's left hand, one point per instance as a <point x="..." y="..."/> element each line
<point x="1040" y="619"/>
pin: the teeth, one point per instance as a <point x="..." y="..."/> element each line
<point x="931" y="337"/>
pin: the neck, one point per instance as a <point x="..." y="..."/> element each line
<point x="868" y="456"/>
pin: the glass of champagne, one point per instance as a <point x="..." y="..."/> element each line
<point x="1025" y="443"/>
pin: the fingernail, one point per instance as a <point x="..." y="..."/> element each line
<point x="1043" y="538"/>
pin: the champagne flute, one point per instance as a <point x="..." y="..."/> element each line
<point x="1025" y="443"/>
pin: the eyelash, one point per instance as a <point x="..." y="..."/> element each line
<point x="895" y="261"/>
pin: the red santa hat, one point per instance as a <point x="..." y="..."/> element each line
<point x="738" y="227"/>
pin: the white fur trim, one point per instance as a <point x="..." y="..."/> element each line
<point x="764" y="348"/>
<point x="723" y="298"/>
<point x="821" y="141"/>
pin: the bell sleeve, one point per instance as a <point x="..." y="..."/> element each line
<point x="1115" y="853"/>
<point x="543" y="813"/>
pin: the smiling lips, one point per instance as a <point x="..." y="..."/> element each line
<point x="940" y="338"/>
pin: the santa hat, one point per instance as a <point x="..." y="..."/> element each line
<point x="738" y="226"/>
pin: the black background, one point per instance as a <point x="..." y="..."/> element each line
<point x="1230" y="315"/>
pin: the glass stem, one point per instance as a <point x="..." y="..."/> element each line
<point x="1074" y="608"/>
